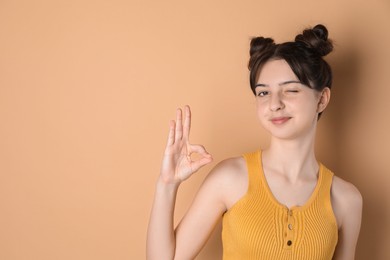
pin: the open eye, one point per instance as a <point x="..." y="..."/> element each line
<point x="262" y="93"/>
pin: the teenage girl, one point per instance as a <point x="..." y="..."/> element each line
<point x="275" y="203"/>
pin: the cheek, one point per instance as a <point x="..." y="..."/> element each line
<point x="309" y="111"/>
<point x="306" y="102"/>
<point x="262" y="103"/>
<point x="262" y="115"/>
<point x="261" y="109"/>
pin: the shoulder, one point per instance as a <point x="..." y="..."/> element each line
<point x="230" y="166"/>
<point x="229" y="170"/>
<point x="346" y="199"/>
<point x="229" y="179"/>
<point x="345" y="192"/>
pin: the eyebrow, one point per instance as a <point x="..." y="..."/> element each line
<point x="280" y="84"/>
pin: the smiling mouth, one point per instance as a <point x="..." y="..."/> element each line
<point x="280" y="120"/>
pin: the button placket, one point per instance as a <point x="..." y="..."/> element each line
<point x="289" y="230"/>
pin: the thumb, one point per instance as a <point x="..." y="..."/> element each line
<point x="196" y="165"/>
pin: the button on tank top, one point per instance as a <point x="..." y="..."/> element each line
<point x="259" y="227"/>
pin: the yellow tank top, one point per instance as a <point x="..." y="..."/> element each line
<point x="259" y="227"/>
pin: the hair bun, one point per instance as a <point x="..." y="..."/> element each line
<point x="259" y="44"/>
<point x="316" y="39"/>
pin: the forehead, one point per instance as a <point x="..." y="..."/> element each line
<point x="275" y="72"/>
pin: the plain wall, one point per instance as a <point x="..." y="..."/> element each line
<point x="87" y="89"/>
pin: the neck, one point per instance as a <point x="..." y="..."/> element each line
<point x="293" y="158"/>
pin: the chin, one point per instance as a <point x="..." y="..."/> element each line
<point x="289" y="133"/>
<point x="283" y="133"/>
<point x="284" y="136"/>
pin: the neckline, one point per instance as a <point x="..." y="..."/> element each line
<point x="307" y="203"/>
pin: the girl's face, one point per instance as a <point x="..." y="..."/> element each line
<point x="285" y="107"/>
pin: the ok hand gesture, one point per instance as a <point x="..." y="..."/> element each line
<point x="177" y="164"/>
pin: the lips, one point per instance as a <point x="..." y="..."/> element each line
<point x="280" y="120"/>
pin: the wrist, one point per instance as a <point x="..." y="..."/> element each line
<point x="164" y="184"/>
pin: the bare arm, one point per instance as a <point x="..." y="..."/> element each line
<point x="348" y="205"/>
<point x="177" y="166"/>
<point x="223" y="187"/>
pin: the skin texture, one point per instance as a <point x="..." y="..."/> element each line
<point x="289" y="111"/>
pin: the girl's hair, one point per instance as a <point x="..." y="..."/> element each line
<point x="304" y="55"/>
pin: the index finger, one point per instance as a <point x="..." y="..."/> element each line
<point x="187" y="123"/>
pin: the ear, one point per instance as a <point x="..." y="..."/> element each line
<point x="324" y="100"/>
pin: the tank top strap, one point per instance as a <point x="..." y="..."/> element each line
<point x="325" y="188"/>
<point x="253" y="166"/>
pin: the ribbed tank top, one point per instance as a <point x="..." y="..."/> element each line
<point x="259" y="227"/>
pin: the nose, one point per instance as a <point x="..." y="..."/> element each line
<point x="276" y="102"/>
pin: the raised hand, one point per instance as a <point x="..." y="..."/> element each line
<point x="177" y="163"/>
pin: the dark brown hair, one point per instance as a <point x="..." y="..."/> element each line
<point x="304" y="55"/>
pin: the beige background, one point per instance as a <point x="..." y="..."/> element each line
<point x="87" y="89"/>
